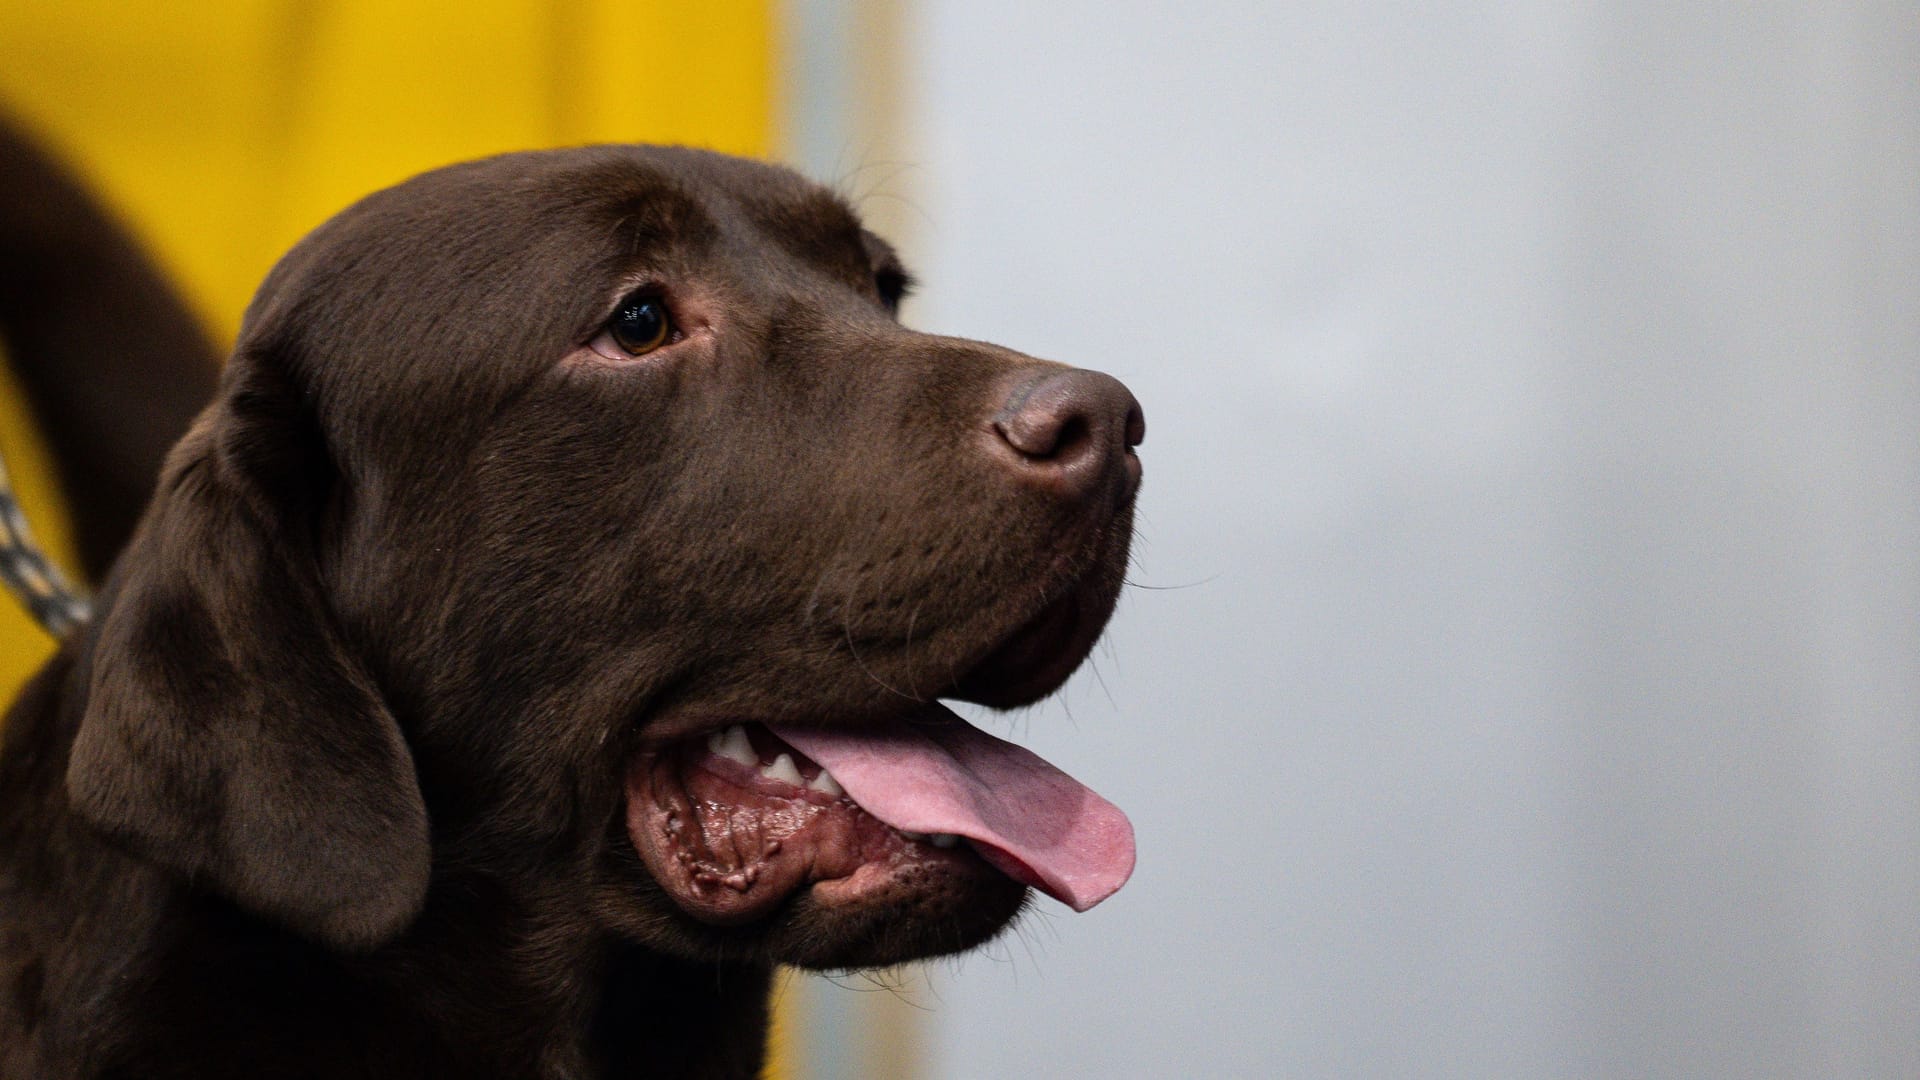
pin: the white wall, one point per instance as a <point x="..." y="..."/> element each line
<point x="1529" y="678"/>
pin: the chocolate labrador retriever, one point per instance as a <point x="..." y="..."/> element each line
<point x="540" y="637"/>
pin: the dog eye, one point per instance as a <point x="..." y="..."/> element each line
<point x="640" y="325"/>
<point x="893" y="284"/>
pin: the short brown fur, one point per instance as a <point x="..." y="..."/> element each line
<point x="331" y="786"/>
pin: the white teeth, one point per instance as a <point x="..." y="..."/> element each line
<point x="734" y="745"/>
<point x="783" y="770"/>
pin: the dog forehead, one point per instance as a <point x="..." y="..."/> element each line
<point x="546" y="223"/>
<point x="752" y="204"/>
<point x="653" y="197"/>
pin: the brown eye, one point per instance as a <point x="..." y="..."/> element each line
<point x="640" y="325"/>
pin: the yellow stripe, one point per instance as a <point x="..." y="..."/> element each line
<point x="227" y="128"/>
<point x="23" y="645"/>
<point x="224" y="129"/>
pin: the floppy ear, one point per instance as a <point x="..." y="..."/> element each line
<point x="228" y="734"/>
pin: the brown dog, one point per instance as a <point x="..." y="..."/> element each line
<point x="538" y="640"/>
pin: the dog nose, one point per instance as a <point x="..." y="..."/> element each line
<point x="1075" y="431"/>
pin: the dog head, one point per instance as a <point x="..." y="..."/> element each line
<point x="549" y="503"/>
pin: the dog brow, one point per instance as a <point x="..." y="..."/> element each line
<point x="662" y="216"/>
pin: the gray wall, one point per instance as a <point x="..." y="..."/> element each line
<point x="1522" y="677"/>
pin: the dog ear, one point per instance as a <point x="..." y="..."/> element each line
<point x="228" y="733"/>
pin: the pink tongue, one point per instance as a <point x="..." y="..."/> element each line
<point x="1033" y="822"/>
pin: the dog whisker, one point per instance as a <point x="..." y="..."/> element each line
<point x="854" y="650"/>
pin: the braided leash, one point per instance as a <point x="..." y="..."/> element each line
<point x="55" y="604"/>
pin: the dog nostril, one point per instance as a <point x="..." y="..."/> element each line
<point x="1074" y="430"/>
<point x="1048" y="418"/>
<point x="1039" y="432"/>
<point x="1070" y="436"/>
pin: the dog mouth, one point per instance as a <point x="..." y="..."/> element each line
<point x="738" y="822"/>
<point x="919" y="813"/>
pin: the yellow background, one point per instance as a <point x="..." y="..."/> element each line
<point x="222" y="130"/>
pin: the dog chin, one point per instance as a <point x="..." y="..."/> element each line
<point x="946" y="910"/>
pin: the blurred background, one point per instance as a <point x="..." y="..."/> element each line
<point x="1521" y="676"/>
